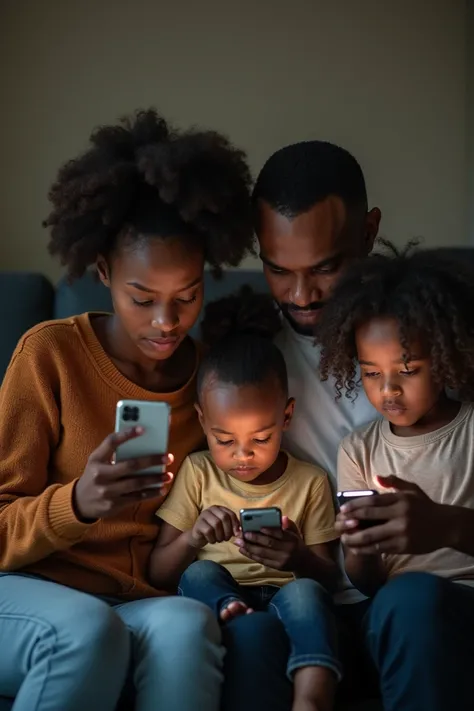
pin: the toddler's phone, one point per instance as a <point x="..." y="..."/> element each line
<point x="253" y="520"/>
<point x="344" y="497"/>
<point x="154" y="417"/>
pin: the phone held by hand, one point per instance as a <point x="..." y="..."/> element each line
<point x="154" y="417"/>
<point x="253" y="520"/>
<point x="344" y="497"/>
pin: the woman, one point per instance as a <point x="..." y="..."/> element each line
<point x="149" y="206"/>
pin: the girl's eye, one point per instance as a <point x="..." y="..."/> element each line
<point x="142" y="303"/>
<point x="188" y="301"/>
<point x="263" y="441"/>
<point x="224" y="443"/>
<point x="370" y="375"/>
<point x="409" y="372"/>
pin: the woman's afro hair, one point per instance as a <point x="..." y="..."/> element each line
<point x="143" y="175"/>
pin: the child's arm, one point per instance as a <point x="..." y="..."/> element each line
<point x="319" y="562"/>
<point x="175" y="549"/>
<point x="366" y="572"/>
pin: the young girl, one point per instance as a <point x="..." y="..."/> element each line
<point x="408" y="322"/>
<point x="244" y="408"/>
<point x="146" y="206"/>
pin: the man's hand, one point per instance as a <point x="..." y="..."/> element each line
<point x="275" y="548"/>
<point x="410" y="522"/>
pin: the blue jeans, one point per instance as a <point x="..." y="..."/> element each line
<point x="63" y="650"/>
<point x="418" y="632"/>
<point x="303" y="607"/>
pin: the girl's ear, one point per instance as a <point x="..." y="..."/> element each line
<point x="289" y="410"/>
<point x="200" y="415"/>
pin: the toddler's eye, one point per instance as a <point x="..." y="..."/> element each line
<point x="224" y="443"/>
<point x="263" y="441"/>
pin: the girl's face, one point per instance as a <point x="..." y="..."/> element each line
<point x="157" y="292"/>
<point x="404" y="392"/>
<point x="244" y="425"/>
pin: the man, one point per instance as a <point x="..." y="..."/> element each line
<point x="312" y="219"/>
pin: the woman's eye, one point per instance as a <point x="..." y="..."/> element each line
<point x="142" y="303"/>
<point x="263" y="441"/>
<point x="224" y="443"/>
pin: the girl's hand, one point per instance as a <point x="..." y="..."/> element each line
<point x="273" y="547"/>
<point x="410" y="522"/>
<point x="214" y="525"/>
<point x="104" y="489"/>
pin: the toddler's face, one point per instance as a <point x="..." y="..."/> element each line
<point x="244" y="425"/>
<point x="402" y="390"/>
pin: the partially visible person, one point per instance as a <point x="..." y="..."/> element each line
<point x="407" y="321"/>
<point x="312" y="220"/>
<point x="148" y="206"/>
<point x="244" y="408"/>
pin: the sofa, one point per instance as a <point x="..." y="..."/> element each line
<point x="29" y="298"/>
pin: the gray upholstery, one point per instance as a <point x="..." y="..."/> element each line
<point x="25" y="300"/>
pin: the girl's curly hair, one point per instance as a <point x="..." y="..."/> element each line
<point x="142" y="175"/>
<point x="431" y="296"/>
<point x="239" y="329"/>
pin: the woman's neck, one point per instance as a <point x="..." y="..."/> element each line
<point x="154" y="375"/>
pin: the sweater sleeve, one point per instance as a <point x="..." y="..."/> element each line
<point x="37" y="516"/>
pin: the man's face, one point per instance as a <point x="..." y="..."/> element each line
<point x="304" y="257"/>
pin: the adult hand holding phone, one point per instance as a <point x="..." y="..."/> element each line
<point x="105" y="488"/>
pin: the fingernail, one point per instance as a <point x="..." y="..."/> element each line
<point x="344" y="508"/>
<point x="350" y="523"/>
<point x="139" y="430"/>
<point x="248" y="536"/>
<point x="239" y="542"/>
<point x="170" y="458"/>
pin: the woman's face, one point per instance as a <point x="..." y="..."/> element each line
<point x="157" y="291"/>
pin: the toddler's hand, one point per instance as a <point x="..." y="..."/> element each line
<point x="214" y="525"/>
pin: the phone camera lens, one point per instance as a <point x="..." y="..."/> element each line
<point x="130" y="414"/>
<point x="248" y="517"/>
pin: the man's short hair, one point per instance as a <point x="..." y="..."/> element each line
<point x="299" y="176"/>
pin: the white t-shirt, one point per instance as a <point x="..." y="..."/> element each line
<point x="320" y="421"/>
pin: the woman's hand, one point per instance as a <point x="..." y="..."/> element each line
<point x="214" y="525"/>
<point x="105" y="488"/>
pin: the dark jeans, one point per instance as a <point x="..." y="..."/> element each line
<point x="418" y="632"/>
<point x="303" y="607"/>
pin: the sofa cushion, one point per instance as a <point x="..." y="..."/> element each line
<point x="25" y="300"/>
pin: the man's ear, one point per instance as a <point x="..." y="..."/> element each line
<point x="372" y="223"/>
<point x="289" y="410"/>
<point x="200" y="415"/>
<point x="103" y="270"/>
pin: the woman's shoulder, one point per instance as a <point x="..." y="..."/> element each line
<point x="49" y="337"/>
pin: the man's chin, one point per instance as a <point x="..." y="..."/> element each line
<point x="303" y="327"/>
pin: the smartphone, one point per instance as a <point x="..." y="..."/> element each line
<point x="344" y="497"/>
<point x="154" y="417"/>
<point x="252" y="520"/>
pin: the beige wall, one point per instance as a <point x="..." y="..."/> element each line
<point x="385" y="79"/>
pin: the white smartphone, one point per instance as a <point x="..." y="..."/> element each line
<point x="154" y="417"/>
<point x="252" y="520"/>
